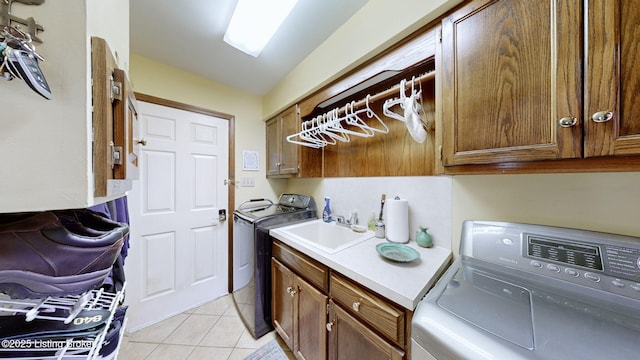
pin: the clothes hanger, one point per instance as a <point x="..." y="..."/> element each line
<point x="352" y="118"/>
<point x="389" y="103"/>
<point x="303" y="136"/>
<point x="337" y="126"/>
<point x="328" y="128"/>
<point x="311" y="133"/>
<point x="412" y="119"/>
<point x="317" y="134"/>
<point x="371" y="114"/>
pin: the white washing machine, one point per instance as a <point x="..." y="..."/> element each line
<point x="522" y="291"/>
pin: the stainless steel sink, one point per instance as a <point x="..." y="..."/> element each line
<point x="328" y="237"/>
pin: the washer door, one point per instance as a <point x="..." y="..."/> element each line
<point x="481" y="299"/>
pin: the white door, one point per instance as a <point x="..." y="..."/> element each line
<point x="178" y="255"/>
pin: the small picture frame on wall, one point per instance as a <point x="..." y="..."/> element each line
<point x="250" y="160"/>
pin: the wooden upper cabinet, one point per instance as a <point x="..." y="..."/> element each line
<point x="273" y="146"/>
<point x="510" y="74"/>
<point x="612" y="81"/>
<point x="289" y="153"/>
<point x="282" y="156"/>
<point x="285" y="159"/>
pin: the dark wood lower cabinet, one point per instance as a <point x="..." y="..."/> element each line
<point x="358" y="325"/>
<point x="350" y="339"/>
<point x="310" y="314"/>
<point x="299" y="313"/>
<point x="282" y="301"/>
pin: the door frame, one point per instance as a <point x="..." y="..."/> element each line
<point x="232" y="167"/>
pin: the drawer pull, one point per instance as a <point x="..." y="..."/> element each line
<point x="356" y="306"/>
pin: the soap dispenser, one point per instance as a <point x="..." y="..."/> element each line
<point x="326" y="213"/>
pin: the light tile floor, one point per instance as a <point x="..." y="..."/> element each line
<point x="211" y="331"/>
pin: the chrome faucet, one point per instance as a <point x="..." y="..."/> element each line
<point x="353" y="219"/>
<point x="340" y="220"/>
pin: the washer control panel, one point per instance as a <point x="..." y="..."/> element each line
<point x="603" y="261"/>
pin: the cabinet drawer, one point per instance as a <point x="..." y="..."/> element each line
<point x="309" y="269"/>
<point x="371" y="308"/>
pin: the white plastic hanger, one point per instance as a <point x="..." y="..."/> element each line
<point x="352" y="118"/>
<point x="412" y="108"/>
<point x="388" y="104"/>
<point x="329" y="128"/>
<point x="371" y="114"/>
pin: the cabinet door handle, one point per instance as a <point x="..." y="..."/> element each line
<point x="602" y="116"/>
<point x="142" y="141"/>
<point x="356" y="306"/>
<point x="567" y="121"/>
<point x="330" y="325"/>
<point x="291" y="291"/>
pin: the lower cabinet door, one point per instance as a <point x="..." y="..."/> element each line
<point x="350" y="339"/>
<point x="310" y="336"/>
<point x="282" y="303"/>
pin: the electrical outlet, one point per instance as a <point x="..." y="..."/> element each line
<point x="247" y="182"/>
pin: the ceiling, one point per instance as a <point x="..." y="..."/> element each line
<point x="187" y="34"/>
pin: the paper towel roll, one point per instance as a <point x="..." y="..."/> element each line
<point x="397" y="220"/>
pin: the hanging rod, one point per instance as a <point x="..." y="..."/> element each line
<point x="325" y="129"/>
<point x="389" y="92"/>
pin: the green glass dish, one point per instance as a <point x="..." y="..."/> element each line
<point x="397" y="252"/>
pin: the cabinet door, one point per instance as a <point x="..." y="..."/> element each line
<point x="612" y="109"/>
<point x="510" y="70"/>
<point x="126" y="127"/>
<point x="289" y="152"/>
<point x="350" y="339"/>
<point x="310" y="337"/>
<point x="282" y="309"/>
<point x="103" y="65"/>
<point x="273" y="146"/>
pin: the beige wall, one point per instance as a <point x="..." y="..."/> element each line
<point x="100" y="17"/>
<point x="378" y="25"/>
<point x="153" y="78"/>
<point x="608" y="202"/>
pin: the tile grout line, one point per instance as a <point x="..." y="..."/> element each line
<point x="245" y="339"/>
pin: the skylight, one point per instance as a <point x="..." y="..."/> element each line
<point x="254" y="22"/>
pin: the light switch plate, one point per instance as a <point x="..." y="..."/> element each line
<point x="247" y="182"/>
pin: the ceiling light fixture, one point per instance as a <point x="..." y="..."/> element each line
<point x="254" y="22"/>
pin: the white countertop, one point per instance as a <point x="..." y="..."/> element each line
<point x="403" y="283"/>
